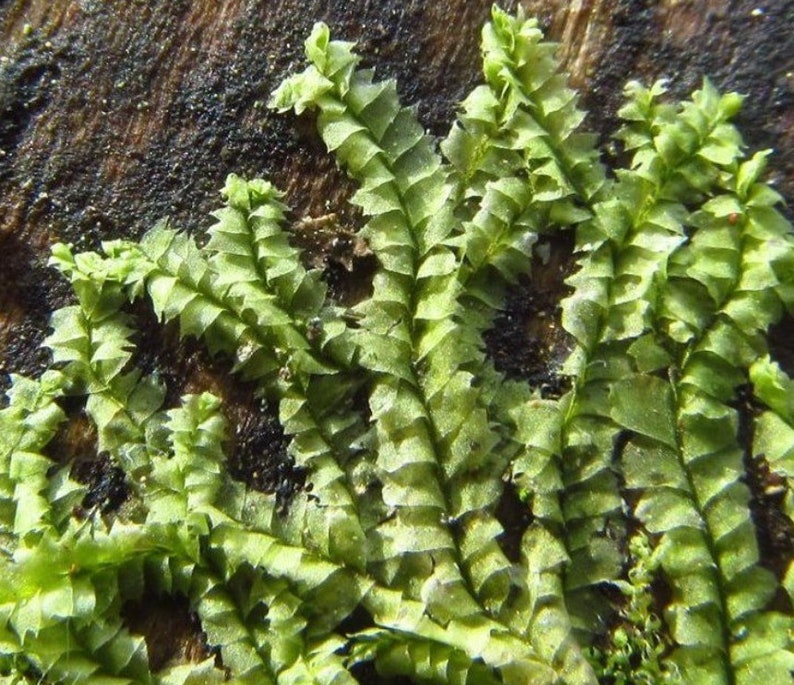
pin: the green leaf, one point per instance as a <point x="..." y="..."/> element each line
<point x="643" y="404"/>
<point x="773" y="387"/>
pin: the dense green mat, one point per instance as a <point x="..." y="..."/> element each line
<point x="634" y="477"/>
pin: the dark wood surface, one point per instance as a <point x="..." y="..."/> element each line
<point x="116" y="113"/>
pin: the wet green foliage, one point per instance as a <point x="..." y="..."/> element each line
<point x="683" y="263"/>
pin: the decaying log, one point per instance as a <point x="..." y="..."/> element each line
<point x="115" y="114"/>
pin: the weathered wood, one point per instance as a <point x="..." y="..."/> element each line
<point x="115" y="114"/>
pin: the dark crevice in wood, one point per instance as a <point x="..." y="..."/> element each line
<point x="171" y="629"/>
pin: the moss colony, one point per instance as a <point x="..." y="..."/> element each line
<point x="381" y="552"/>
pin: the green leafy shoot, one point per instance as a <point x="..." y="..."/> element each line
<point x="397" y="553"/>
<point x="636" y="650"/>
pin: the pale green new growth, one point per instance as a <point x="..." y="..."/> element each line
<point x="636" y="651"/>
<point x="395" y="554"/>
